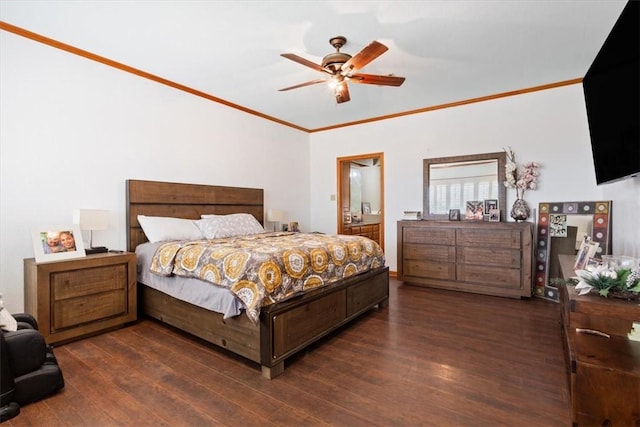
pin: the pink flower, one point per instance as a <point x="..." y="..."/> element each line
<point x="525" y="178"/>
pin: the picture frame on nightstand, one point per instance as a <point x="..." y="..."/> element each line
<point x="54" y="243"/>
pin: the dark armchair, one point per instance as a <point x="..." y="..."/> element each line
<point x="29" y="370"/>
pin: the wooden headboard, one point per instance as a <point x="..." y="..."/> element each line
<point x="155" y="198"/>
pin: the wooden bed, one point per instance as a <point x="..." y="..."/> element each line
<point x="286" y="327"/>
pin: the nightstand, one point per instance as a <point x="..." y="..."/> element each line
<point x="78" y="297"/>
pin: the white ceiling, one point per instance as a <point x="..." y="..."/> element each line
<point x="449" y="51"/>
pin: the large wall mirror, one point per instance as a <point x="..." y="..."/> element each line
<point x="449" y="182"/>
<point x="561" y="229"/>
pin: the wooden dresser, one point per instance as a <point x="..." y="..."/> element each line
<point x="78" y="297"/>
<point x="493" y="258"/>
<point x="371" y="231"/>
<point x="603" y="373"/>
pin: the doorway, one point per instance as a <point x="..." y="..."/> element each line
<point x="361" y="196"/>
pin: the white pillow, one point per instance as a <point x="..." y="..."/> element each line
<point x="218" y="226"/>
<point x="160" y="228"/>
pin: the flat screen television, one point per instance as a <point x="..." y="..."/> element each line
<point x="612" y="96"/>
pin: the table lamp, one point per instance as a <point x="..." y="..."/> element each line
<point x="92" y="219"/>
<point x="276" y="216"/>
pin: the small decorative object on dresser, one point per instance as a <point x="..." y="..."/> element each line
<point x="520" y="210"/>
<point x="74" y="298"/>
<point x="490" y="204"/>
<point x="475" y="210"/>
<point x="366" y="207"/>
<point x="522" y="179"/>
<point x="454" y="214"/>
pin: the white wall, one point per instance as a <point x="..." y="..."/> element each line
<point x="549" y="127"/>
<point x="72" y="131"/>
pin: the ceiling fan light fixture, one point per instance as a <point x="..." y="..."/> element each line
<point x="341" y="66"/>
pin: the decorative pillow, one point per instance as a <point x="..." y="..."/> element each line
<point x="160" y="228"/>
<point x="218" y="226"/>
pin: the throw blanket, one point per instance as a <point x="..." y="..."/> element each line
<point x="261" y="269"/>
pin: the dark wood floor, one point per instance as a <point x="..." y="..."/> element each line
<point x="433" y="357"/>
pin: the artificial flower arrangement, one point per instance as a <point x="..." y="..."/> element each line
<point x="619" y="282"/>
<point x="524" y="179"/>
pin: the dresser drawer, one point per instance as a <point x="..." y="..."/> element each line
<point x="441" y="236"/>
<point x="489" y="276"/>
<point x="489" y="238"/>
<point x="430" y="252"/>
<point x="429" y="269"/>
<point x="508" y="258"/>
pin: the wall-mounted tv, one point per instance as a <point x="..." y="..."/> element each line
<point x="612" y="95"/>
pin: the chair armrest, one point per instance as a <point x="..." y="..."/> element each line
<point x="27" y="350"/>
<point x="23" y="318"/>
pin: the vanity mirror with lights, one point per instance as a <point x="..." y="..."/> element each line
<point x="561" y="228"/>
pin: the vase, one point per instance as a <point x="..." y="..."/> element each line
<point x="520" y="210"/>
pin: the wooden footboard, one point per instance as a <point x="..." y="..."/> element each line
<point x="285" y="328"/>
<point x="290" y="326"/>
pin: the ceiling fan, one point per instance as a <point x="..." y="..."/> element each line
<point x="341" y="67"/>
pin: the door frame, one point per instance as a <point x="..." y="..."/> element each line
<point x="344" y="163"/>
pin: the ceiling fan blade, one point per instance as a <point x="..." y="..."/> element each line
<point x="312" y="82"/>
<point x="362" y="58"/>
<point x="372" y="79"/>
<point x="305" y="62"/>
<point x="342" y="93"/>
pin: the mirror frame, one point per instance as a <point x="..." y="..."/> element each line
<point x="601" y="211"/>
<point x="501" y="157"/>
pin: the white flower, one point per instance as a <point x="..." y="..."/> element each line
<point x="583" y="287"/>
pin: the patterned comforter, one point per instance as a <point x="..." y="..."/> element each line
<point x="264" y="268"/>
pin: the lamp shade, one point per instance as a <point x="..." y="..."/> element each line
<point x="91" y="219"/>
<point x="275" y="215"/>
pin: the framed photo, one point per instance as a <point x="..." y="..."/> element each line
<point x="346" y="217"/>
<point x="475" y="210"/>
<point x="366" y="207"/>
<point x="293" y="226"/>
<point x="588" y="249"/>
<point x="490" y="204"/>
<point x="494" y="215"/>
<point x="454" y="214"/>
<point x="56" y="243"/>
<point x="557" y="225"/>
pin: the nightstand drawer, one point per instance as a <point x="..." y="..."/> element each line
<point x="85" y="309"/>
<point x="70" y="284"/>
